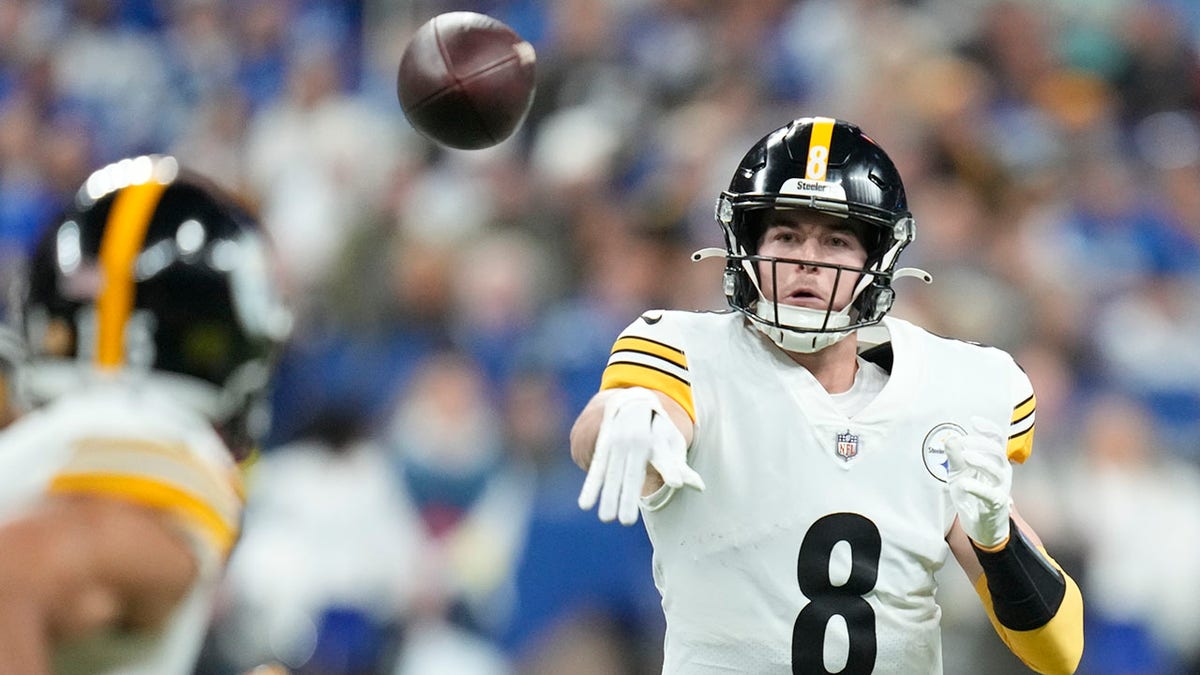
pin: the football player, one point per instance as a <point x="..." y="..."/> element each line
<point x="805" y="463"/>
<point x="151" y="323"/>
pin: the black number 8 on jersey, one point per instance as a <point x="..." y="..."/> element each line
<point x="827" y="600"/>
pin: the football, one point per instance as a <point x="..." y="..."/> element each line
<point x="466" y="80"/>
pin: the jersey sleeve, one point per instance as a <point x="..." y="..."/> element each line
<point x="650" y="353"/>
<point x="1021" y="424"/>
<point x="200" y="496"/>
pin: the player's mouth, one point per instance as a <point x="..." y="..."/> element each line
<point x="806" y="298"/>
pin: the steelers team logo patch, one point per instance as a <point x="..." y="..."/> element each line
<point x="933" y="450"/>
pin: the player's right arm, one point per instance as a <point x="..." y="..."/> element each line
<point x="77" y="564"/>
<point x="633" y="436"/>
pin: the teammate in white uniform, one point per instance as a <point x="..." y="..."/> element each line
<point x="834" y="457"/>
<point x="151" y="326"/>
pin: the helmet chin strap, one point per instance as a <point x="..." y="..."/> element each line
<point x="795" y="329"/>
<point x="794" y="338"/>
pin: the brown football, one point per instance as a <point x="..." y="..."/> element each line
<point x="466" y="80"/>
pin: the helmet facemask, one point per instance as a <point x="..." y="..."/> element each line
<point x="809" y="329"/>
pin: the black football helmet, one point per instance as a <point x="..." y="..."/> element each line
<point x="829" y="166"/>
<point x="158" y="276"/>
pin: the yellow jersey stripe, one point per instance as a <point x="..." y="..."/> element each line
<point x="818" y="148"/>
<point x="160" y="462"/>
<point x="1020" y="446"/>
<point x="128" y="220"/>
<point x="194" y="512"/>
<point x="646" y="346"/>
<point x="618" y="375"/>
<point x="1024" y="409"/>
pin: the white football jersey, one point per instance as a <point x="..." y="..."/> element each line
<point x="813" y="548"/>
<point x="135" y="446"/>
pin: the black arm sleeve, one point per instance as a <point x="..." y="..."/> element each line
<point x="1026" y="589"/>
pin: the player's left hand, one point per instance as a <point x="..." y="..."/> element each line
<point x="636" y="432"/>
<point x="980" y="479"/>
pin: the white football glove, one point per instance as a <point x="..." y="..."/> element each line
<point x="634" y="432"/>
<point x="980" y="478"/>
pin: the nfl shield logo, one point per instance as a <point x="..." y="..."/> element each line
<point x="847" y="445"/>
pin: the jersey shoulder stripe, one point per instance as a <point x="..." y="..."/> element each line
<point x="205" y="500"/>
<point x="650" y="354"/>
<point x="642" y="345"/>
<point x="1021" y="427"/>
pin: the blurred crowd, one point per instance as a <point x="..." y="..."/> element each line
<point x="414" y="507"/>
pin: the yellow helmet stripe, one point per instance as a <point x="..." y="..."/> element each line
<point x="124" y="233"/>
<point x="818" y="148"/>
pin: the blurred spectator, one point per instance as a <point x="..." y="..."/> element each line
<point x="128" y="99"/>
<point x="498" y="300"/>
<point x="1144" y="341"/>
<point x="318" y="160"/>
<point x="26" y="201"/>
<point x="317" y="581"/>
<point x="1130" y="495"/>
<point x="214" y="136"/>
<point x="572" y="612"/>
<point x="358" y="553"/>
<point x="1159" y="72"/>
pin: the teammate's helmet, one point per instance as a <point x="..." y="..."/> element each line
<point x="156" y="276"/>
<point x="829" y="166"/>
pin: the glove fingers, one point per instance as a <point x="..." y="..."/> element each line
<point x="610" y="494"/>
<point x="986" y="460"/>
<point x="668" y="452"/>
<point x="691" y="479"/>
<point x="986" y="491"/>
<point x="954" y="452"/>
<point x="670" y="455"/>
<point x="596" y="470"/>
<point x="601" y="455"/>
<point x="678" y="474"/>
<point x="626" y="471"/>
<point x="975" y="453"/>
<point x="632" y="481"/>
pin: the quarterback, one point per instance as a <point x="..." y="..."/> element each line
<point x="804" y="463"/>
<point x="150" y="326"/>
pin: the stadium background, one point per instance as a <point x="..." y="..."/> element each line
<point x="414" y="509"/>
